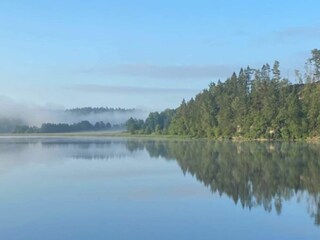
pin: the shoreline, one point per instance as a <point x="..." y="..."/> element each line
<point x="147" y="136"/>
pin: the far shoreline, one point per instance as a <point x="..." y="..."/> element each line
<point x="147" y="136"/>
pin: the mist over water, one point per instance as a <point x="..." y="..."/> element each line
<point x="35" y="115"/>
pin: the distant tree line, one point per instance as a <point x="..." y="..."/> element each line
<point x="155" y="123"/>
<point x="97" y="110"/>
<point x="64" y="127"/>
<point x="17" y="125"/>
<point x="255" y="103"/>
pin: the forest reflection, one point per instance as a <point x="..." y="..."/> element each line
<point x="253" y="174"/>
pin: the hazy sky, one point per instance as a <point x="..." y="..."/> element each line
<point x="147" y="54"/>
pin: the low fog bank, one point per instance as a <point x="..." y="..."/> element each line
<point x="17" y="113"/>
<point x="113" y="117"/>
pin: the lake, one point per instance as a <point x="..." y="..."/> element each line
<point x="117" y="188"/>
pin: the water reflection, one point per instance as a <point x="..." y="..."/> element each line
<point x="252" y="174"/>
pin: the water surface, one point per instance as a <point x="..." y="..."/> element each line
<point x="109" y="188"/>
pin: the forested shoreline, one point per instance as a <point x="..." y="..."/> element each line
<point x="66" y="128"/>
<point x="255" y="103"/>
<point x="71" y="120"/>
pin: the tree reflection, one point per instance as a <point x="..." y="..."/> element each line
<point x="252" y="174"/>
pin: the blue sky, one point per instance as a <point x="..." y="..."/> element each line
<point x="148" y="54"/>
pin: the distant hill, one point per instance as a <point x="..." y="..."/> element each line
<point x="99" y="110"/>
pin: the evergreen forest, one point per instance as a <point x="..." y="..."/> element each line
<point x="252" y="104"/>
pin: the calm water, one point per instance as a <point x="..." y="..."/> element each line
<point x="140" y="189"/>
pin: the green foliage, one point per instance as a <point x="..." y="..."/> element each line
<point x="155" y="123"/>
<point x="63" y="127"/>
<point x="256" y="103"/>
<point x="134" y="125"/>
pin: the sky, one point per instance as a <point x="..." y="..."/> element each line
<point x="144" y="54"/>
